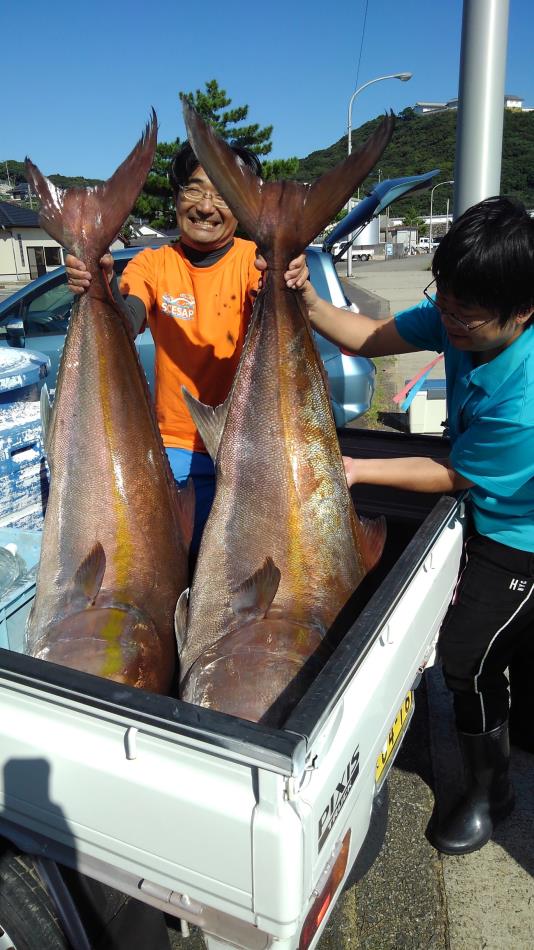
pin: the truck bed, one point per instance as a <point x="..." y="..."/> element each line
<point x="226" y="823"/>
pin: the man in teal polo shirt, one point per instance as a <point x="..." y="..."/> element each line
<point x="478" y="311"/>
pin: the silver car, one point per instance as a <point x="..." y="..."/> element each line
<point x="37" y="316"/>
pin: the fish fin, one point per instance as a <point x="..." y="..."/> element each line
<point x="253" y="598"/>
<point x="287" y="212"/>
<point x="242" y="187"/>
<point x="45" y="408"/>
<point x="90" y="574"/>
<point x="186" y="510"/>
<point x="180" y="618"/>
<point x="86" y="220"/>
<point x="209" y="421"/>
<point x="332" y="190"/>
<point x="372" y="537"/>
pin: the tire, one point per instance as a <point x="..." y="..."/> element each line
<point x="28" y="920"/>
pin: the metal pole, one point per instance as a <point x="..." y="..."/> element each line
<point x="480" y="102"/>
<point x="432" y="190"/>
<point x="404" y="77"/>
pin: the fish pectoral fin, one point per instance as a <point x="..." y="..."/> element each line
<point x="208" y="420"/>
<point x="253" y="598"/>
<point x="372" y="537"/>
<point x="90" y="574"/>
<point x="180" y="619"/>
<point x="45" y="408"/>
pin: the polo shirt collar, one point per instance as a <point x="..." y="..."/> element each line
<point x="490" y="376"/>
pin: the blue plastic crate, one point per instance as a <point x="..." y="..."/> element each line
<point x="22" y="373"/>
<point x="23" y="471"/>
<point x="16" y="601"/>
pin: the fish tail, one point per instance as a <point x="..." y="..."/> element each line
<point x="286" y="212"/>
<point x="86" y="220"/>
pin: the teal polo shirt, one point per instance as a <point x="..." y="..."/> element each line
<point x="491" y="425"/>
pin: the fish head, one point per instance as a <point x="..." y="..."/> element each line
<point x="116" y="642"/>
<point x="259" y="671"/>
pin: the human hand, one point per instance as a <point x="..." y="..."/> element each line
<point x="79" y="278"/>
<point x="297" y="273"/>
<point x="351" y="470"/>
<point x="295" y="276"/>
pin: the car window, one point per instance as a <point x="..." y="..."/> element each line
<point x="49" y="311"/>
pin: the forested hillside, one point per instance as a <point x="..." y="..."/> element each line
<point x="421" y="143"/>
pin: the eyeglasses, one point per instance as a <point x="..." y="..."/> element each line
<point x="469" y="325"/>
<point x="190" y="193"/>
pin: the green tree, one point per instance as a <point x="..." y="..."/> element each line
<point x="212" y="106"/>
<point x="278" y="168"/>
<point x="155" y="204"/>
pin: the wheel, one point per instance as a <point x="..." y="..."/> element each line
<point x="28" y="920"/>
<point x="365" y="257"/>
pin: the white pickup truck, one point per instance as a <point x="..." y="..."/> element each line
<point x="247" y="832"/>
<point x="425" y="245"/>
<point x="358" y="253"/>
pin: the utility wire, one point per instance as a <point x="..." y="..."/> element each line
<point x="361" y="45"/>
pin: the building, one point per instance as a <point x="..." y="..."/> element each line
<point x="26" y="250"/>
<point x="430" y="108"/>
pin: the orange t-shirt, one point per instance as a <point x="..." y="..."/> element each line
<point x="198" y="317"/>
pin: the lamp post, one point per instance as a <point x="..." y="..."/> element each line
<point x="432" y="190"/>
<point x="404" y="77"/>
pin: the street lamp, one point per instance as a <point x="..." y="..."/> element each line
<point x="404" y="77"/>
<point x="431" y="197"/>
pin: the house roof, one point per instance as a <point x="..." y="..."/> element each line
<point x="12" y="216"/>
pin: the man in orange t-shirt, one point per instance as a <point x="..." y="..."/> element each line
<point x="197" y="297"/>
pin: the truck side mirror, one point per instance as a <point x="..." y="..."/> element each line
<point x="15" y="334"/>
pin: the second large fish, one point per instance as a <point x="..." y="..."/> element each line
<point x="282" y="550"/>
<point x="116" y="534"/>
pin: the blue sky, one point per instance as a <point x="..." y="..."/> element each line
<point x="79" y="79"/>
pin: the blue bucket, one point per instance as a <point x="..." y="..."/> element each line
<point x="22" y="373"/>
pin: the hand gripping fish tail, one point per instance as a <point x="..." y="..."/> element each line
<point x="284" y="216"/>
<point x="86" y="220"/>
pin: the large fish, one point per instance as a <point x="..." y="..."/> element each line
<point x="282" y="550"/>
<point x="116" y="533"/>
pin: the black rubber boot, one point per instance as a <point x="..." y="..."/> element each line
<point x="489" y="796"/>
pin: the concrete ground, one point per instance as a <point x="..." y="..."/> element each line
<point x="381" y="288"/>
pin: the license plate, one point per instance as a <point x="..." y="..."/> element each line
<point x="400" y="724"/>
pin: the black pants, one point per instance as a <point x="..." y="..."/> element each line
<point x="489" y="624"/>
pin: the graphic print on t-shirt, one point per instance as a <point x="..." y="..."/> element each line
<point x="182" y="306"/>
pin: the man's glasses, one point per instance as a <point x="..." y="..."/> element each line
<point x="191" y="193"/>
<point x="469" y="325"/>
